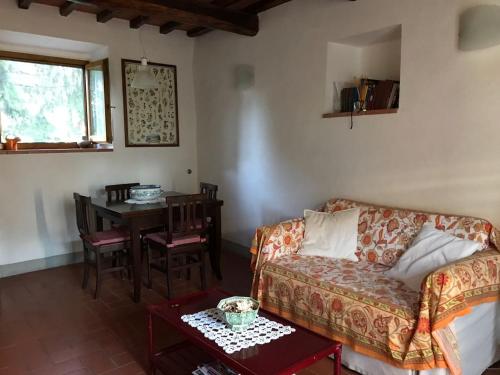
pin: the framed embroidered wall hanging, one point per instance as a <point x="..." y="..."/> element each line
<point x="151" y="115"/>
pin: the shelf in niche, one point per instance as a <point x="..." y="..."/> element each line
<point x="361" y="113"/>
<point x="375" y="54"/>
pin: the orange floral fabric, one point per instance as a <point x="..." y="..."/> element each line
<point x="385" y="233"/>
<point x="353" y="303"/>
<point x="452" y="290"/>
<point x="273" y="241"/>
<point x="356" y="304"/>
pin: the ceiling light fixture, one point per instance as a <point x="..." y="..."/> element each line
<point x="144" y="77"/>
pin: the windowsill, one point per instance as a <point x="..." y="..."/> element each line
<point x="54" y="151"/>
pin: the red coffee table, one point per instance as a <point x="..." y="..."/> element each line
<point x="284" y="356"/>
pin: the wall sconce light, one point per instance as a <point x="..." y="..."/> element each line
<point x="244" y="77"/>
<point x="479" y="27"/>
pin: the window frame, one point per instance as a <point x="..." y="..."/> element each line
<point x="85" y="66"/>
<point x="104" y="65"/>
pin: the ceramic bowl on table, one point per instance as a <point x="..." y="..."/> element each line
<point x="239" y="312"/>
<point x="145" y="192"/>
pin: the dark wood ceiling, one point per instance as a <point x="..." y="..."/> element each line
<point x="196" y="17"/>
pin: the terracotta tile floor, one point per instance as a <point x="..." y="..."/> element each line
<point x="50" y="326"/>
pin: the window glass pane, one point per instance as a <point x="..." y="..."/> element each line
<point x="41" y="103"/>
<point x="97" y="106"/>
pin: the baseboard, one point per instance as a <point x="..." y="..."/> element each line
<point x="235" y="248"/>
<point x="7" y="270"/>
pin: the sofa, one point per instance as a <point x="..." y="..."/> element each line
<point x="450" y="327"/>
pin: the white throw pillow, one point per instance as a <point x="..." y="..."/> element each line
<point x="331" y="235"/>
<point x="430" y="250"/>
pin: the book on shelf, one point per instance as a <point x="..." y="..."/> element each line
<point x="394" y="102"/>
<point x="392" y="96"/>
<point x="214" y="368"/>
<point x="382" y="94"/>
<point x="386" y="95"/>
<point x="349" y="96"/>
<point x="371" y="94"/>
<point x="367" y="86"/>
<point x="345" y="99"/>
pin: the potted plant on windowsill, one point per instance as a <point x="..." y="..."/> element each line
<point x="11" y="143"/>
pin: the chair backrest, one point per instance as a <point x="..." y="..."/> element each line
<point x="209" y="189"/>
<point x="82" y="205"/>
<point x="186" y="215"/>
<point x="120" y="192"/>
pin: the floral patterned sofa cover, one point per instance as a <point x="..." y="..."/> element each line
<point x="356" y="304"/>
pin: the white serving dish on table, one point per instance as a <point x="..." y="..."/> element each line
<point x="145" y="192"/>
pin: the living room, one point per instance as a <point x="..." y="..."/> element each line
<point x="260" y="109"/>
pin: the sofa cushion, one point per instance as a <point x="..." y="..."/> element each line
<point x="356" y="304"/>
<point x="365" y="279"/>
<point x="349" y="301"/>
<point x="385" y="233"/>
<point x="431" y="249"/>
<point x="332" y="235"/>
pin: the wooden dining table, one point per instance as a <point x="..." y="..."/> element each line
<point x="142" y="217"/>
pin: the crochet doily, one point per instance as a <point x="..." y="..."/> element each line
<point x="212" y="324"/>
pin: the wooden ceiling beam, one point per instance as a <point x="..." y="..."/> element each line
<point x="224" y="3"/>
<point x="104" y="16"/>
<point x="24" y="4"/>
<point x="262" y="5"/>
<point x="66" y="8"/>
<point x="138" y="22"/>
<point x="169" y="27"/>
<point x="198" y="31"/>
<point x="229" y="4"/>
<point x="242" y="4"/>
<point x="187" y="12"/>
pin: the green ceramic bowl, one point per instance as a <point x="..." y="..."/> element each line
<point x="239" y="321"/>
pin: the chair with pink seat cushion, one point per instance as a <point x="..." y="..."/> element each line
<point x="120" y="192"/>
<point x="107" y="237"/>
<point x="161" y="238"/>
<point x="184" y="242"/>
<point x="209" y="189"/>
<point x="98" y="247"/>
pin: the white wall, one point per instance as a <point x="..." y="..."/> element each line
<point x="273" y="155"/>
<point x="343" y="63"/>
<point x="382" y="60"/>
<point x="36" y="209"/>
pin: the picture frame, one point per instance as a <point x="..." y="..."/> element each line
<point x="151" y="116"/>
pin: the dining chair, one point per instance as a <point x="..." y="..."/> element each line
<point x="209" y="189"/>
<point x="120" y="192"/>
<point x="184" y="242"/>
<point x="98" y="247"/>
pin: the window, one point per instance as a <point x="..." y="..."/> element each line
<point x="53" y="102"/>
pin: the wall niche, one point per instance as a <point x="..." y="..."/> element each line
<point x="374" y="56"/>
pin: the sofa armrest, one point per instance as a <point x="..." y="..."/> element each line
<point x="454" y="289"/>
<point x="273" y="241"/>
